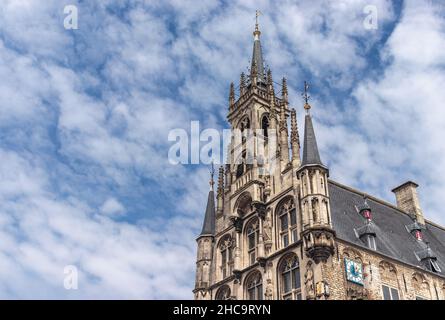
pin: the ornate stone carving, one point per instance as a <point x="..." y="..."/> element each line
<point x="309" y="282"/>
<point x="319" y="243"/>
<point x="268" y="293"/>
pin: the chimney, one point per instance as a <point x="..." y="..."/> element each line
<point x="408" y="201"/>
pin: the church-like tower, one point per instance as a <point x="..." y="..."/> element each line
<point x="281" y="229"/>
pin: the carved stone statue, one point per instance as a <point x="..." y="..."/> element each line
<point x="309" y="282"/>
<point x="267" y="228"/>
<point x="268" y="294"/>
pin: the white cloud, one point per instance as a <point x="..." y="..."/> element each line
<point x="87" y="113"/>
<point x="112" y="207"/>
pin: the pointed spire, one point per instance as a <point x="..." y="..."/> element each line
<point x="284" y="93"/>
<point x="232" y="95"/>
<point x="242" y="84"/>
<point x="295" y="139"/>
<point x="284" y="134"/>
<point x="283" y="107"/>
<point x="270" y="88"/>
<point x="271" y="92"/>
<point x="208" y="227"/>
<point x="311" y="156"/>
<point x="257" y="56"/>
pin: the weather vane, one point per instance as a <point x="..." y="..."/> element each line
<point x="212" y="173"/>
<point x="257" y="14"/>
<point x="306" y="96"/>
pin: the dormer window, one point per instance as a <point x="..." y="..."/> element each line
<point x="367" y="214"/>
<point x="367" y="234"/>
<point x="416" y="230"/>
<point x="428" y="258"/>
<point x="418" y="235"/>
<point x="370" y="241"/>
<point x="365" y="210"/>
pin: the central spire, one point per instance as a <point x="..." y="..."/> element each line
<point x="257" y="56"/>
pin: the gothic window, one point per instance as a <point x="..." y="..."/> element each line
<point x="223" y="293"/>
<point x="289" y="270"/>
<point x="254" y="286"/>
<point x="287" y="217"/>
<point x="244" y="124"/>
<point x="265" y="124"/>
<point x="252" y="240"/>
<point x="226" y="254"/>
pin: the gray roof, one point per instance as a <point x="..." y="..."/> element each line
<point x="310" y="148"/>
<point x="392" y="237"/>
<point x="257" y="57"/>
<point x="208" y="228"/>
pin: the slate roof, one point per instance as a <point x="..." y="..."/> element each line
<point x="392" y="237"/>
<point x="208" y="227"/>
<point x="310" y="148"/>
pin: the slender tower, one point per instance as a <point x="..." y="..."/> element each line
<point x="317" y="234"/>
<point x="205" y="240"/>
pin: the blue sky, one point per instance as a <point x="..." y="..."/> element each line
<point x="85" y="115"/>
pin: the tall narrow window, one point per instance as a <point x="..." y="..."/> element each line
<point x="252" y="240"/>
<point x="254" y="286"/>
<point x="287" y="215"/>
<point x="289" y="270"/>
<point x="265" y="125"/>
<point x="226" y="251"/>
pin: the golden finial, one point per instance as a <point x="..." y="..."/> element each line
<point x="257" y="31"/>
<point x="306" y="97"/>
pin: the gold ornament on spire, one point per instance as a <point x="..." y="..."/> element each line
<point x="257" y="31"/>
<point x="306" y="97"/>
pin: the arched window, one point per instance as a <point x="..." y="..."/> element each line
<point x="265" y="125"/>
<point x="244" y="165"/>
<point x="244" y="124"/>
<point x="226" y="253"/>
<point x="252" y="240"/>
<point x="254" y="286"/>
<point x="223" y="293"/>
<point x="290" y="284"/>
<point x="287" y="218"/>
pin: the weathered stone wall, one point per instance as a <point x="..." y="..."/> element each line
<point x="411" y="282"/>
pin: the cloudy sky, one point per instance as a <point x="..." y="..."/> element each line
<point x="85" y="115"/>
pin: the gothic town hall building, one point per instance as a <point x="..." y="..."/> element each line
<point x="294" y="233"/>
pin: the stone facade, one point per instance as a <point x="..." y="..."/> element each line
<point x="272" y="236"/>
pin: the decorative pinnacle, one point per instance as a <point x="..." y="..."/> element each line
<point x="221" y="180"/>
<point x="306" y="97"/>
<point x="232" y="95"/>
<point x="242" y="81"/>
<point x="294" y="129"/>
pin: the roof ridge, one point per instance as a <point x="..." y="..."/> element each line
<point x="381" y="201"/>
